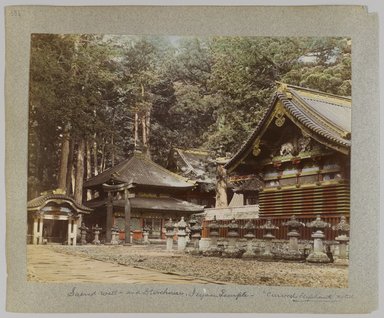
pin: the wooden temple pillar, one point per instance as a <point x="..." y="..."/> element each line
<point x="109" y="222"/>
<point x="72" y="230"/>
<point x="38" y="221"/>
<point x="127" y="217"/>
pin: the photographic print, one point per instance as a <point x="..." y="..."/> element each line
<point x="218" y="161"/>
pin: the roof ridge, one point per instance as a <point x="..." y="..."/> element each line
<point x="282" y="84"/>
<point x="327" y="102"/>
<point x="330" y="124"/>
<point x="164" y="169"/>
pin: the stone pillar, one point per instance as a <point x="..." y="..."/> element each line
<point x="74" y="233"/>
<point x="69" y="231"/>
<point x="181" y="235"/>
<point x="268" y="227"/>
<point x="318" y="255"/>
<point x="343" y="239"/>
<point x="169" y="228"/>
<point x="109" y="221"/>
<point x="293" y="252"/>
<point x="115" y="235"/>
<point x="233" y="234"/>
<point x="96" y="231"/>
<point x="213" y="250"/>
<point x="83" y="232"/>
<point x="249" y="252"/>
<point x="35" y="230"/>
<point x="38" y="227"/>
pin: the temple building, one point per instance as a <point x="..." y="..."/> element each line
<point x="297" y="159"/>
<point x="196" y="165"/>
<point x="138" y="193"/>
<point x="53" y="217"/>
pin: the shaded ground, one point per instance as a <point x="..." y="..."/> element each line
<point x="123" y="264"/>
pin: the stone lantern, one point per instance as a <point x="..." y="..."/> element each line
<point x="96" y="231"/>
<point x="343" y="239"/>
<point x="249" y="228"/>
<point x="293" y="252"/>
<point x="83" y="234"/>
<point x="145" y="235"/>
<point x="233" y="234"/>
<point x="114" y="235"/>
<point x="181" y="234"/>
<point x="268" y="227"/>
<point x="213" y="227"/>
<point x="318" y="255"/>
<point x="169" y="233"/>
<point x="195" y="235"/>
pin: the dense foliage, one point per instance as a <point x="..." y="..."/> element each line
<point x="177" y="92"/>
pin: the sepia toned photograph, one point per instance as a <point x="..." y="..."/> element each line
<point x="220" y="160"/>
<point x="213" y="159"/>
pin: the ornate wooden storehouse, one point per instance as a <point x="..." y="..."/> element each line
<point x="53" y="218"/>
<point x="138" y="193"/>
<point x="198" y="166"/>
<point x="297" y="160"/>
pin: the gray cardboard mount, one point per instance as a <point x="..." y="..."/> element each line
<point x="362" y="294"/>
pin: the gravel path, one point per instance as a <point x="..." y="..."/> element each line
<point x="233" y="271"/>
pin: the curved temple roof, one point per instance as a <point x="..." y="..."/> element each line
<point x="59" y="198"/>
<point x="327" y="116"/>
<point x="140" y="170"/>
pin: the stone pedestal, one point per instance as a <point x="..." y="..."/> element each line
<point x="169" y="233"/>
<point x="83" y="234"/>
<point x="268" y="227"/>
<point x="96" y="231"/>
<point x="204" y="244"/>
<point x="145" y="238"/>
<point x="293" y="252"/>
<point x="213" y="249"/>
<point x="318" y="255"/>
<point x="195" y="237"/>
<point x="114" y="235"/>
<point x="249" y="251"/>
<point x="233" y="234"/>
<point x="181" y="235"/>
<point x="343" y="257"/>
<point x="343" y="239"/>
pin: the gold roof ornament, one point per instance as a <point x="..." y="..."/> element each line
<point x="58" y="191"/>
<point x="283" y="88"/>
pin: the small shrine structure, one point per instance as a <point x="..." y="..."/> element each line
<point x="53" y="217"/>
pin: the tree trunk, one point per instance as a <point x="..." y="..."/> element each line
<point x="147" y="126"/>
<point x="112" y="151"/>
<point x="89" y="168"/>
<point x="79" y="171"/>
<point x="102" y="161"/>
<point x="95" y="163"/>
<point x="62" y="180"/>
<point x="69" y="186"/>
<point x="136" y="134"/>
<point x="221" y="187"/>
<point x="144" y="133"/>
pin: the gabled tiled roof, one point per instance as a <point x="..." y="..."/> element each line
<point x="58" y="198"/>
<point x="153" y="204"/>
<point x="140" y="170"/>
<point x="327" y="116"/>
